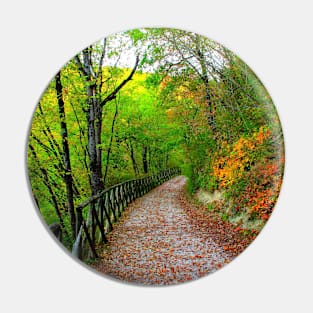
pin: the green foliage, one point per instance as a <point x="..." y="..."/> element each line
<point x="67" y="240"/>
<point x="160" y="118"/>
<point x="136" y="35"/>
<point x="188" y="172"/>
<point x="224" y="217"/>
<point x="210" y="207"/>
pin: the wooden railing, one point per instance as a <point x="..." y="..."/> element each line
<point x="96" y="216"/>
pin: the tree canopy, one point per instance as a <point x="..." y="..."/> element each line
<point x="144" y="100"/>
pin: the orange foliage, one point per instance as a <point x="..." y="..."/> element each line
<point x="229" y="168"/>
<point x="264" y="189"/>
<point x="263" y="176"/>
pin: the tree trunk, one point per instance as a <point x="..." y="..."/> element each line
<point x="46" y="182"/>
<point x="204" y="77"/>
<point x="110" y="144"/>
<point x="166" y="159"/>
<point x="68" y="179"/>
<point x="95" y="104"/>
<point x="144" y="159"/>
<point x="130" y="149"/>
<point x="94" y="140"/>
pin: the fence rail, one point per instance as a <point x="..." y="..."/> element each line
<point x="96" y="216"/>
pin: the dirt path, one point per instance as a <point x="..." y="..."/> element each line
<point x="155" y="244"/>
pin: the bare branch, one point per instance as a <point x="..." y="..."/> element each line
<point x="113" y="94"/>
<point x="99" y="73"/>
<point x="80" y="65"/>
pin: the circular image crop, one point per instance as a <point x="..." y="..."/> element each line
<point x="155" y="156"/>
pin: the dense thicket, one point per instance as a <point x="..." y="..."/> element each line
<point x="148" y="99"/>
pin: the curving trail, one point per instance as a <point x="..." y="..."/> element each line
<point x="155" y="242"/>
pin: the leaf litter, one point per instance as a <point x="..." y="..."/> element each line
<point x="163" y="238"/>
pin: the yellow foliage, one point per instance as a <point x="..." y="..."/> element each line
<point x="227" y="169"/>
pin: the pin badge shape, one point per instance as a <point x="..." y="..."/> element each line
<point x="155" y="156"/>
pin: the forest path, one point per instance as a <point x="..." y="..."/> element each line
<point x="157" y="243"/>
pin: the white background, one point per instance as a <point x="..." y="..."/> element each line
<point x="275" y="38"/>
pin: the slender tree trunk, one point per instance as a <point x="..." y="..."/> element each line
<point x="204" y="77"/>
<point x="55" y="147"/>
<point x="68" y="179"/>
<point x="46" y="182"/>
<point x="110" y="144"/>
<point x="148" y="158"/>
<point x="94" y="141"/>
<point x="59" y="166"/>
<point x="144" y="159"/>
<point x="166" y="159"/>
<point x="82" y="143"/>
<point x="98" y="130"/>
<point x="130" y="148"/>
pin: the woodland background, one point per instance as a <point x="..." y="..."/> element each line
<point x="144" y="100"/>
<point x="285" y="275"/>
